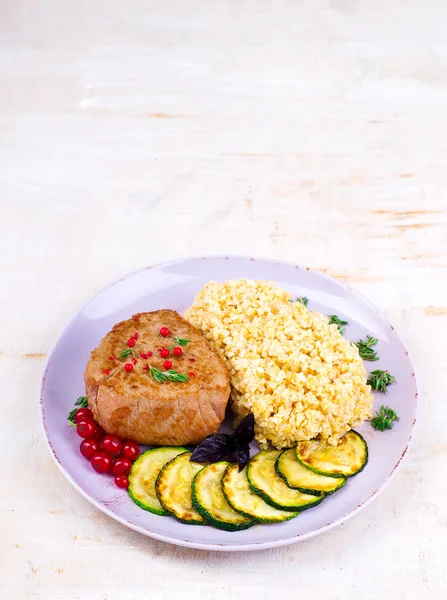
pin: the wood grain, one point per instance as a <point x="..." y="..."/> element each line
<point x="140" y="131"/>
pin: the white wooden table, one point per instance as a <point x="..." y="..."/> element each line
<point x="135" y="132"/>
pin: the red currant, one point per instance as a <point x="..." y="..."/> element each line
<point x="101" y="462"/>
<point x="89" y="447"/>
<point x="164" y="331"/>
<point x="167" y="364"/>
<point x="191" y="374"/>
<point x="83" y="414"/>
<point x="135" y="336"/>
<point x="177" y="351"/>
<point x="130" y="450"/>
<point x="128" y="367"/>
<point x="149" y="354"/>
<point x="99" y="432"/>
<point x="86" y="428"/>
<point x="106" y="371"/>
<point x="122" y="482"/>
<point x="164" y="353"/>
<point x="111" y="444"/>
<point x="143" y="355"/>
<point x="192" y="359"/>
<point x="131" y="342"/>
<point x="122" y="466"/>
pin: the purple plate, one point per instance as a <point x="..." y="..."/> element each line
<point x="174" y="285"/>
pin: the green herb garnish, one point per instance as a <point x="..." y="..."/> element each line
<point x="170" y="375"/>
<point x="127" y="352"/>
<point x="379" y="380"/>
<point x="81" y="402"/>
<point x="182" y="341"/>
<point x="303" y="299"/>
<point x="334" y="320"/>
<point x="384" y="419"/>
<point x="365" y="350"/>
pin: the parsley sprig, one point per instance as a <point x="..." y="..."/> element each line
<point x="170" y="375"/>
<point x="380" y="380"/>
<point x="365" y="350"/>
<point x="384" y="419"/>
<point x="334" y="320"/>
<point x="303" y="299"/>
<point x="81" y="402"/>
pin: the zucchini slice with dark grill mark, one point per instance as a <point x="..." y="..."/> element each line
<point x="303" y="479"/>
<point x="209" y="501"/>
<point x="173" y="487"/>
<point x="144" y="474"/>
<point x="239" y="496"/>
<point x="266" y="483"/>
<point x="347" y="459"/>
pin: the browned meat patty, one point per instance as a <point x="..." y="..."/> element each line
<point x="133" y="405"/>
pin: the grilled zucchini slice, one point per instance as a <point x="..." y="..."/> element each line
<point x="173" y="488"/>
<point x="347" y="459"/>
<point x="209" y="501"/>
<point x="239" y="496"/>
<point x="300" y="478"/>
<point x="266" y="483"/>
<point x="144" y="474"/>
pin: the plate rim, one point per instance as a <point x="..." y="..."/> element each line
<point x="222" y="547"/>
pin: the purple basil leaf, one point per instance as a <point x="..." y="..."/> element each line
<point x="214" y="448"/>
<point x="243" y="456"/>
<point x="245" y="431"/>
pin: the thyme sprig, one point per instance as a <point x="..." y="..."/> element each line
<point x="334" y="320"/>
<point x="380" y="380"/>
<point x="170" y="375"/>
<point x="81" y="402"/>
<point x="384" y="419"/>
<point x="181" y="341"/>
<point x="127" y="352"/>
<point x="365" y="350"/>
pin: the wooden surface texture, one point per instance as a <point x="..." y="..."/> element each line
<point x="136" y="132"/>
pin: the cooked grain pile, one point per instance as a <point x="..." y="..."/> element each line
<point x="298" y="375"/>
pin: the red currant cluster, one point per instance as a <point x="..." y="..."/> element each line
<point x="106" y="453"/>
<point x="165" y="352"/>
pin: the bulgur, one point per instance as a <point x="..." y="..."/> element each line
<point x="297" y="374"/>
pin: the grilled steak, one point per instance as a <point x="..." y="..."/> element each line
<point x="134" y="405"/>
